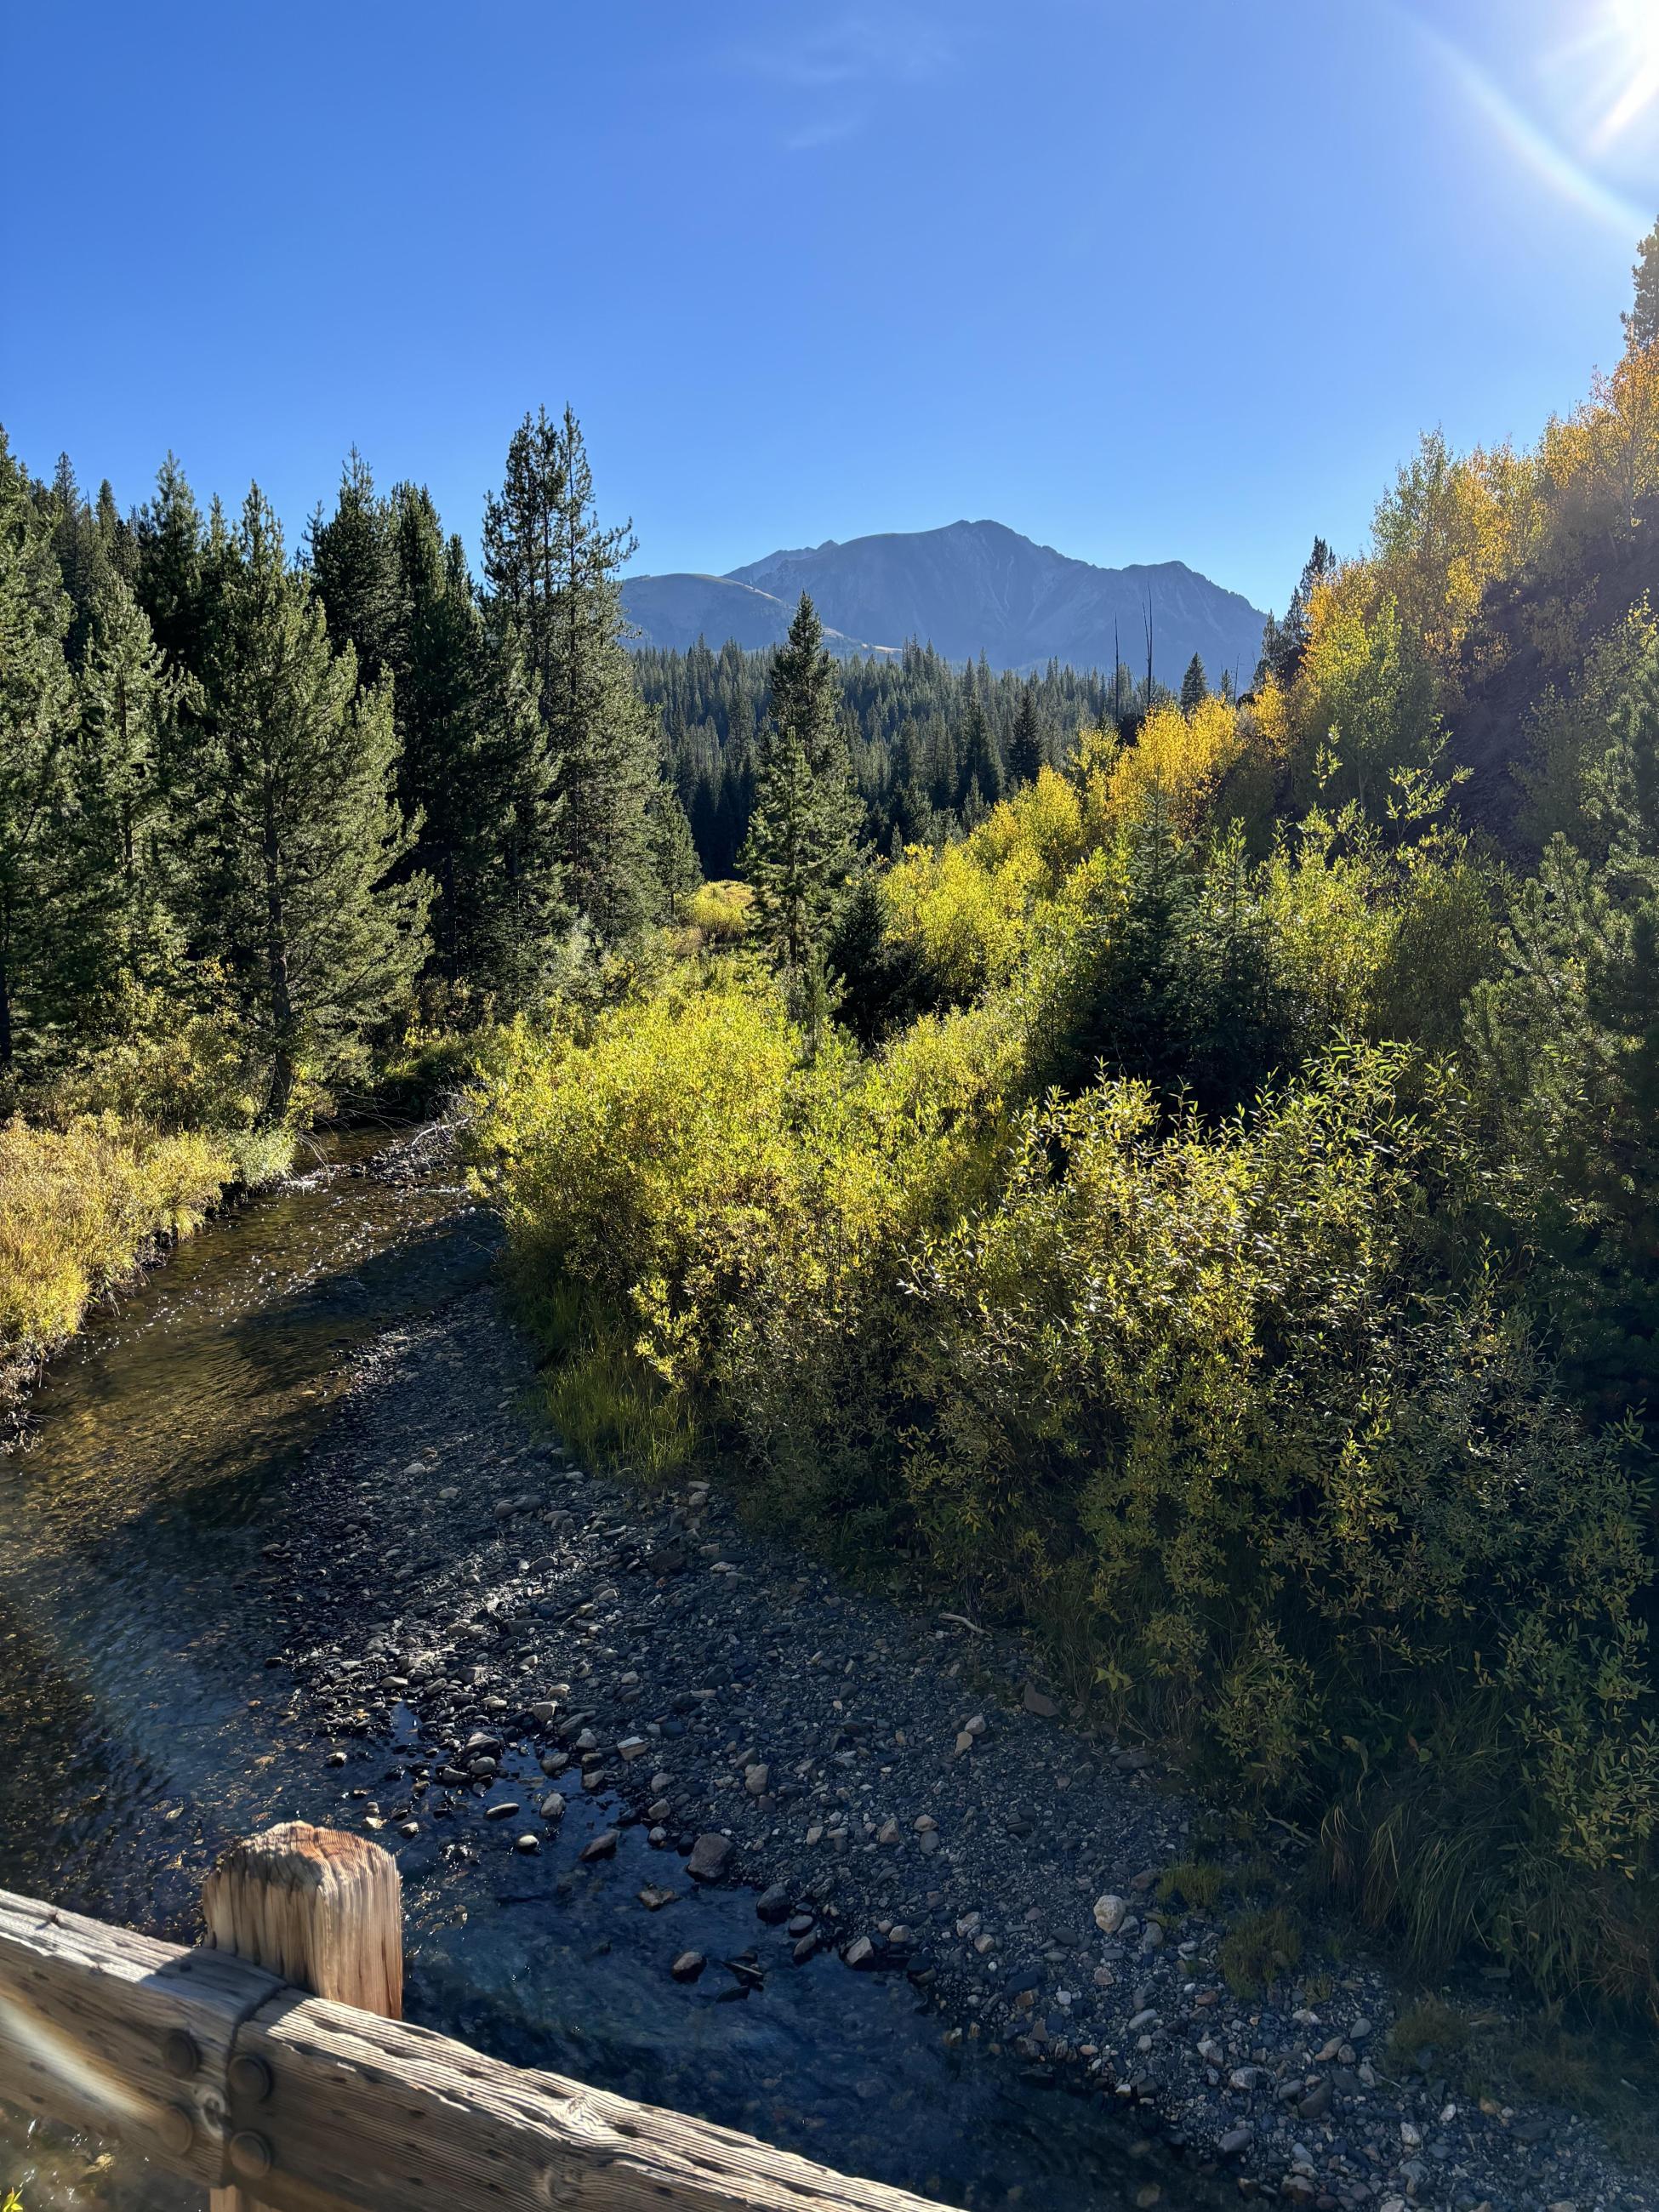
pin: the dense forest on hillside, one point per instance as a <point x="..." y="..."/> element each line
<point x="932" y="745"/>
<point x="1194" y="1188"/>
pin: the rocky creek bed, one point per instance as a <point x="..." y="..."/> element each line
<point x="676" y="1814"/>
<point x="583" y="1684"/>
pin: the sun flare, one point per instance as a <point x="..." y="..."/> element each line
<point x="1633" y="35"/>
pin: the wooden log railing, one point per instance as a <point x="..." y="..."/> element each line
<point x="268" y="2065"/>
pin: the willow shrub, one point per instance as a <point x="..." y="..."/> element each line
<point x="79" y="1207"/>
<point x="1234" y="1413"/>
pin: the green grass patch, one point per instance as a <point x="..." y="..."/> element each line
<point x="1257" y="1949"/>
<point x="1195" y="1883"/>
<point x="1430" y="2027"/>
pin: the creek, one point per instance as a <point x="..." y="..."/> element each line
<point x="143" y="1724"/>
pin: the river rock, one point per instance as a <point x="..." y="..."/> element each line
<point x="709" y="1857"/>
<point x="773" y="1905"/>
<point x="1110" y="1912"/>
<point x="602" y="1846"/>
<point x="688" y="1965"/>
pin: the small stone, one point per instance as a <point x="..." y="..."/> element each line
<point x="964" y="1741"/>
<point x="500" y="1812"/>
<point x="653" y="1899"/>
<point x="757" y="1779"/>
<point x="632" y="1747"/>
<point x="889" y="1832"/>
<point x="709" y="1857"/>
<point x="773" y="1905"/>
<point x="527" y="1844"/>
<point x="688" y="1965"/>
<point x="602" y="1846"/>
<point x="1316" y="2103"/>
<point x="1244" y="2078"/>
<point x="1359" y="2030"/>
<point x="552" y="1806"/>
<point x="924" y="1824"/>
<point x="860" y="1951"/>
<point x="1038" y="1702"/>
<point x="336" y="1759"/>
<point x="1146" y="2018"/>
<point x="1110" y="1913"/>
<point x="1233" y="2141"/>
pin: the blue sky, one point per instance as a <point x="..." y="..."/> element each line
<point x="1178" y="281"/>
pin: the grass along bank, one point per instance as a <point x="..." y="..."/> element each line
<point x="81" y="1208"/>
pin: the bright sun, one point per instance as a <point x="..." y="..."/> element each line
<point x="1635" y="28"/>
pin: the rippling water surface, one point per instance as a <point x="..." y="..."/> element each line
<point x="141" y="1729"/>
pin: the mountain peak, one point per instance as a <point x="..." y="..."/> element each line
<point x="966" y="588"/>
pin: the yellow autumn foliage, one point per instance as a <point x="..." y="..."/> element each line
<point x="79" y="1207"/>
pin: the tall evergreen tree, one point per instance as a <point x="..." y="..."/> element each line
<point x="1284" y="643"/>
<point x="82" y="557"/>
<point x="1025" y="745"/>
<point x="37" y="717"/>
<point x="118" y="873"/>
<point x="356" y="569"/>
<point x="1194" y="685"/>
<point x="171" y="582"/>
<point x="979" y="768"/>
<point x="553" y="574"/>
<point x="799" y="846"/>
<point x="1642" y="322"/>
<point x="472" y="769"/>
<point x="674" y="862"/>
<point x="323" y="938"/>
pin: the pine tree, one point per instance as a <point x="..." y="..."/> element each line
<point x="1642" y="322"/>
<point x="171" y="582"/>
<point x="1025" y="745"/>
<point x="979" y="771"/>
<point x="799" y="846"/>
<point x="117" y="929"/>
<point x="555" y="575"/>
<point x="355" y="570"/>
<point x="1194" y="685"/>
<point x="674" y="861"/>
<point x="472" y="769"/>
<point x="1283" y="644"/>
<point x="321" y="938"/>
<point x="37" y="717"/>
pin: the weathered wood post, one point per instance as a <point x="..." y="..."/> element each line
<point x="323" y="1910"/>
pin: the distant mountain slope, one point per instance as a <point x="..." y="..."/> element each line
<point x="675" y="612"/>
<point x="974" y="587"/>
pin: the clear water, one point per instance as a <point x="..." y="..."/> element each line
<point x="141" y="1729"/>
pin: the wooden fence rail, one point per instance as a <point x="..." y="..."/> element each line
<point x="287" y="2087"/>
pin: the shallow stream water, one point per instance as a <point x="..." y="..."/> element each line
<point x="141" y="1729"/>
